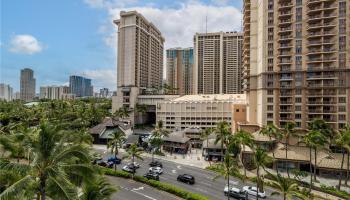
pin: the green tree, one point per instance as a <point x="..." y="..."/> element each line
<point x="115" y="141"/>
<point x="223" y="134"/>
<point x="159" y="132"/>
<point x="134" y="152"/>
<point x="55" y="170"/>
<point x="97" y="189"/>
<point x="123" y="112"/>
<point x="261" y="160"/>
<point x="288" y="187"/>
<point x="314" y="140"/>
<point x="272" y="131"/>
<point x="343" y="141"/>
<point x="227" y="168"/>
<point x="243" y="138"/>
<point x="287" y="132"/>
<point x="141" y="109"/>
<point x="205" y="133"/>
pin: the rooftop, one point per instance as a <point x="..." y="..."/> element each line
<point x="234" y="98"/>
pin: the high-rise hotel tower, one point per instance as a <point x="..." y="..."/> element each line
<point x="297" y="61"/>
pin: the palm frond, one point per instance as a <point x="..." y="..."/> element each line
<point x="16" y="189"/>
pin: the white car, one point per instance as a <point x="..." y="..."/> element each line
<point x="253" y="191"/>
<point x="232" y="189"/>
<point x="157" y="170"/>
<point x="136" y="165"/>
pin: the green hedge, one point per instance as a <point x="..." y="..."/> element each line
<point x="334" y="191"/>
<point x="159" y="185"/>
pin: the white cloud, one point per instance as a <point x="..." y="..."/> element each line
<point x="102" y="78"/>
<point x="220" y="2"/>
<point x="178" y="25"/>
<point x="25" y="44"/>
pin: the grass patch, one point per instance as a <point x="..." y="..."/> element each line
<point x="180" y="192"/>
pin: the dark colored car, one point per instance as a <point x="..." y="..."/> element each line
<point x="237" y="195"/>
<point x="186" y="178"/>
<point x="114" y="160"/>
<point x="103" y="163"/>
<point x="156" y="164"/>
<point x="152" y="176"/>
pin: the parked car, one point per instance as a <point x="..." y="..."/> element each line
<point x="253" y="191"/>
<point x="103" y="163"/>
<point x="114" y="160"/>
<point x="186" y="178"/>
<point x="156" y="164"/>
<point x="95" y="157"/>
<point x="153" y="176"/>
<point x="157" y="170"/>
<point x="129" y="168"/>
<point x="235" y="193"/>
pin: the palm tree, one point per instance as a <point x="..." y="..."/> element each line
<point x="156" y="143"/>
<point x="272" y="131"/>
<point x="288" y="187"/>
<point x="343" y="141"/>
<point x="98" y="189"/>
<point x="205" y="133"/>
<point x="243" y="138"/>
<point x="160" y="132"/>
<point x="314" y="140"/>
<point x="133" y="152"/>
<point x="123" y="112"/>
<point x="261" y="160"/>
<point x="223" y="134"/>
<point x="324" y="128"/>
<point x="227" y="168"/>
<point x="347" y="129"/>
<point x="116" y="140"/>
<point x="288" y="131"/>
<point x="55" y="169"/>
<point x="141" y="109"/>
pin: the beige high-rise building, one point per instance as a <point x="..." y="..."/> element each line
<point x="179" y="69"/>
<point x="218" y="63"/>
<point x="56" y="92"/>
<point x="27" y="84"/>
<point x="297" y="61"/>
<point x="6" y="92"/>
<point x="140" y="58"/>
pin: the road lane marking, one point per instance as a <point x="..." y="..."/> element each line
<point x="140" y="188"/>
<point x="173" y="171"/>
<point x="179" y="166"/>
<point x="148" y="197"/>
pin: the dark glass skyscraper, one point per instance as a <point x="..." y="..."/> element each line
<point x="80" y="86"/>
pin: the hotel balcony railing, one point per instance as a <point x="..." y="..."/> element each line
<point x="315" y="8"/>
<point x="285" y="29"/>
<point x="285" y="21"/>
<point x="286" y="110"/>
<point x="315" y="17"/>
<point x="286" y="37"/>
<point x="286" y="102"/>
<point x="315" y="102"/>
<point x="286" y="118"/>
<point x="329" y="16"/>
<point x="285" y="5"/>
<point x="285" y="13"/>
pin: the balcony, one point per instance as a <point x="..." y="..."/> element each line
<point x="329" y="16"/>
<point x="285" y="30"/>
<point x="286" y="110"/>
<point x="285" y="37"/>
<point x="285" y="62"/>
<point x="315" y="18"/>
<point x="285" y="14"/>
<point x="285" y="22"/>
<point x="285" y="46"/>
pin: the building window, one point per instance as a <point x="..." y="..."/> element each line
<point x="269" y="92"/>
<point x="298" y="100"/>
<point x="342" y="117"/>
<point x="299" y="14"/>
<point x="299" y="2"/>
<point x="298" y="92"/>
<point x="270" y="108"/>
<point x="342" y="100"/>
<point x="270" y="19"/>
<point x="342" y="60"/>
<point x="270" y="100"/>
<point x="297" y="116"/>
<point x="298" y="62"/>
<point x="342" y="26"/>
<point x="297" y="108"/>
<point x="342" y="43"/>
<point x="270" y="115"/>
<point x="270" y="5"/>
<point x="342" y="9"/>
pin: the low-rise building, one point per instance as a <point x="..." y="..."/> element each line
<point x="6" y="92"/>
<point x="176" y="142"/>
<point x="203" y="111"/>
<point x="212" y="151"/>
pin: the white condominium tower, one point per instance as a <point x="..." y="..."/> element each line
<point x="218" y="63"/>
<point x="297" y="61"/>
<point x="140" y="58"/>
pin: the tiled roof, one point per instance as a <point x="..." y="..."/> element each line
<point x="177" y="137"/>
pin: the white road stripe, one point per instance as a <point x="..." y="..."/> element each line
<point x="137" y="192"/>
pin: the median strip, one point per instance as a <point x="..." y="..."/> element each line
<point x="177" y="191"/>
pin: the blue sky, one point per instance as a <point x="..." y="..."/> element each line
<point x="59" y="38"/>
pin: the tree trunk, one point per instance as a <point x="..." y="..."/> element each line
<point x="222" y="151"/>
<point x="228" y="186"/>
<point x="310" y="155"/>
<point x="315" y="167"/>
<point x="133" y="169"/>
<point x="347" y="169"/>
<point x="152" y="155"/>
<point x="257" y="183"/>
<point x="245" y="170"/>
<point x="115" y="159"/>
<point x="287" y="141"/>
<point x="284" y="196"/>
<point x="341" y="169"/>
<point x="42" y="188"/>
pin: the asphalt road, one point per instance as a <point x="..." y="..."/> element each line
<point x="205" y="185"/>
<point x="131" y="190"/>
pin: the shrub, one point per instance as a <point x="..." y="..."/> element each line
<point x="334" y="191"/>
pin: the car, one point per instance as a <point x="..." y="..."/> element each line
<point x="114" y="160"/>
<point x="135" y="164"/>
<point x="253" y="191"/>
<point x="157" y="170"/>
<point x="103" y="163"/>
<point x="235" y="193"/>
<point x="186" y="178"/>
<point x="130" y="169"/>
<point x="153" y="176"/>
<point x="156" y="164"/>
